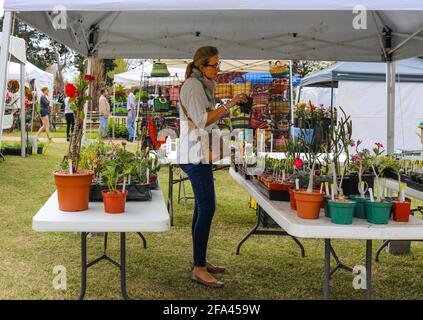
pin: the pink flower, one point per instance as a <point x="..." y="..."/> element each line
<point x="352" y="143"/>
<point x="356" y="159"/>
<point x="298" y="163"/>
<point x="378" y="145"/>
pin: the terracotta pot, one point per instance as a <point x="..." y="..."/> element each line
<point x="401" y="211"/>
<point x="114" y="202"/>
<point x="308" y="204"/>
<point x="73" y="190"/>
<point x="292" y="201"/>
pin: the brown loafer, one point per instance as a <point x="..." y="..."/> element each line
<point x="212" y="268"/>
<point x="211" y="284"/>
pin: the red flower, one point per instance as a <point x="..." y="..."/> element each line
<point x="352" y="143"/>
<point x="378" y="145"/>
<point x="298" y="163"/>
<point x="89" y="77"/>
<point x="71" y="91"/>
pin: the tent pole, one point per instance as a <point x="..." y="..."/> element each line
<point x="291" y="96"/>
<point x="4" y="57"/>
<point x="139" y="101"/>
<point x="84" y="130"/>
<point x="22" y="102"/>
<point x="390" y="83"/>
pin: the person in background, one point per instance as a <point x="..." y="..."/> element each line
<point x="70" y="118"/>
<point x="45" y="113"/>
<point x="104" y="110"/>
<point x="132" y="111"/>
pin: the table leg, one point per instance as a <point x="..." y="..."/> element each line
<point x="144" y="242"/>
<point x="368" y="269"/>
<point x="383" y="246"/>
<point x="170" y="194"/>
<point x="326" y="277"/>
<point x="83" y="265"/>
<point x="123" y="266"/>
<point x="252" y="231"/>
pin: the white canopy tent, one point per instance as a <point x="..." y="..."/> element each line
<point x="15" y="52"/>
<point x="360" y="90"/>
<point x="319" y="30"/>
<point x="225" y="65"/>
<point x="133" y="77"/>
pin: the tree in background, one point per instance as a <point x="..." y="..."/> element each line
<point x="112" y="67"/>
<point x="305" y="67"/>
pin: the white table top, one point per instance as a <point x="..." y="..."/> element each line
<point x="145" y="216"/>
<point x="287" y="218"/>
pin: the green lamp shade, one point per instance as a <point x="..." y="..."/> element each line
<point x="159" y="70"/>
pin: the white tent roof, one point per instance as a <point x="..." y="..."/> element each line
<point x="267" y="29"/>
<point x="226" y="65"/>
<point x="31" y="72"/>
<point x="409" y="70"/>
<point x="17" y="49"/>
<point x="134" y="76"/>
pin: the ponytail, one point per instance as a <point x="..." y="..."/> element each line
<point x="189" y="69"/>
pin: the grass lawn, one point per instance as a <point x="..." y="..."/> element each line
<point x="269" y="267"/>
<point x="59" y="133"/>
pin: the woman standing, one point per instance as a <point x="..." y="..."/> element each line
<point x="198" y="112"/>
<point x="45" y="113"/>
<point x="70" y="119"/>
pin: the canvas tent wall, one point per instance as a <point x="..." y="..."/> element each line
<point x="14" y="51"/>
<point x="268" y="29"/>
<point x="360" y="90"/>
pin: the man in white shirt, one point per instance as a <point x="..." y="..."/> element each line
<point x="132" y="111"/>
<point x="104" y="110"/>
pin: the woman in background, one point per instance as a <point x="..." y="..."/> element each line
<point x="45" y="113"/>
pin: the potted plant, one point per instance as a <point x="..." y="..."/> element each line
<point x="337" y="207"/>
<point x="114" y="199"/>
<point x="401" y="207"/>
<point x="40" y="148"/>
<point x="73" y="184"/>
<point x="359" y="165"/>
<point x="92" y="157"/>
<point x="310" y="201"/>
<point x="378" y="211"/>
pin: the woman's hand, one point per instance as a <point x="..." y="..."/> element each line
<point x="237" y="99"/>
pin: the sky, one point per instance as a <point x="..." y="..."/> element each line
<point x="1" y="8"/>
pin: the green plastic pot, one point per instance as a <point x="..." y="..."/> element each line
<point x="341" y="212"/>
<point x="360" y="207"/>
<point x="378" y="212"/>
<point x="326" y="207"/>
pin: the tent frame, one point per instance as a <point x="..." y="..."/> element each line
<point x="385" y="36"/>
<point x="8" y="21"/>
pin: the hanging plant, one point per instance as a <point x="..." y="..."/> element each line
<point x="13" y="86"/>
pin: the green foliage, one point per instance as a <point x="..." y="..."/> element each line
<point x="121" y="112"/>
<point x="121" y="131"/>
<point x="93" y="155"/>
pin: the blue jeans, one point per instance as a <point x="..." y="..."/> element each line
<point x="104" y="126"/>
<point x="130" y="125"/>
<point x="201" y="177"/>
